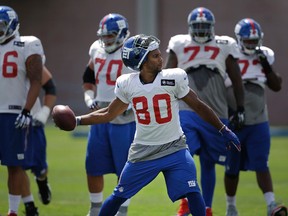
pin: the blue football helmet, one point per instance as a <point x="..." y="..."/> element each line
<point x="201" y="23"/>
<point x="135" y="50"/>
<point x="9" y="23"/>
<point x="113" y="31"/>
<point x="249" y="35"/>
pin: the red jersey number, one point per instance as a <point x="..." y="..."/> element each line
<point x="112" y="65"/>
<point x="141" y="106"/>
<point x="9" y="69"/>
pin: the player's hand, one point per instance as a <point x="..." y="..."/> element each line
<point x="230" y="138"/>
<point x="237" y="119"/>
<point x="41" y="117"/>
<point x="263" y="61"/>
<point x="92" y="104"/>
<point x="23" y="120"/>
<point x="260" y="54"/>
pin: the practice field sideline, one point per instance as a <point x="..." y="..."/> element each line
<point x="66" y="156"/>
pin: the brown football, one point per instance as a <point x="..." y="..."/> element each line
<point x="64" y="117"/>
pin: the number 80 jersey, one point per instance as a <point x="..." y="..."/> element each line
<point x="155" y="105"/>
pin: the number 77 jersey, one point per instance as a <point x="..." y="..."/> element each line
<point x="213" y="54"/>
<point x="155" y="105"/>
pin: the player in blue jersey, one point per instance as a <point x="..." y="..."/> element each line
<point x="206" y="58"/>
<point x="108" y="143"/>
<point x="255" y="61"/>
<point x="159" y="144"/>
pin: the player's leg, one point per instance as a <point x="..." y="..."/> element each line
<point x="181" y="180"/>
<point x="40" y="168"/>
<point x="134" y="177"/>
<point x="189" y="128"/>
<point x="121" y="137"/>
<point x="259" y="147"/>
<point x="27" y="198"/>
<point x="97" y="163"/>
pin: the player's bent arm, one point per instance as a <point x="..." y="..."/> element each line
<point x="172" y="61"/>
<point x="234" y="73"/>
<point x="274" y="81"/>
<point x="49" y="87"/>
<point x="115" y="108"/>
<point x="202" y="109"/>
<point x="34" y="69"/>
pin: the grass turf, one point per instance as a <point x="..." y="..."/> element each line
<point x="66" y="156"/>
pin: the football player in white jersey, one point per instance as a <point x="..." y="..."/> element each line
<point x="255" y="62"/>
<point x="37" y="151"/>
<point x="159" y="144"/>
<point x="206" y="57"/>
<point x="21" y="62"/>
<point x="108" y="144"/>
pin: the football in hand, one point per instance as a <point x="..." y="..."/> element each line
<point x="64" y="117"/>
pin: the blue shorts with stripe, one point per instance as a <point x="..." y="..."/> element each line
<point x="178" y="169"/>
<point x="14" y="142"/>
<point x="108" y="147"/>
<point x="203" y="138"/>
<point x="37" y="151"/>
<point x="255" y="148"/>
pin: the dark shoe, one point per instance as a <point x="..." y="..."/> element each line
<point x="44" y="192"/>
<point x="30" y="209"/>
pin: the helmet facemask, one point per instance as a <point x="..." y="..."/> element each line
<point x="201" y="32"/>
<point x="249" y="46"/>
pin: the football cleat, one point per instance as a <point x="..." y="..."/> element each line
<point x="231" y="211"/>
<point x="44" y="192"/>
<point x="275" y="209"/>
<point x="12" y="214"/>
<point x="184" y="208"/>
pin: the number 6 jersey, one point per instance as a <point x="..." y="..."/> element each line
<point x="13" y="78"/>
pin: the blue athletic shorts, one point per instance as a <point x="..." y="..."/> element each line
<point x="14" y="142"/>
<point x="108" y="146"/>
<point x="38" y="150"/>
<point x="255" y="148"/>
<point x="203" y="138"/>
<point x="178" y="169"/>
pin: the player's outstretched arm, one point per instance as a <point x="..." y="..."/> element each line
<point x="205" y="112"/>
<point x="115" y="108"/>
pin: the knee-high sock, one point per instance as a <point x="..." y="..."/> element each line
<point x="196" y="204"/>
<point x="111" y="205"/>
<point x="208" y="181"/>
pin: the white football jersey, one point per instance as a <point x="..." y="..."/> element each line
<point x="251" y="69"/>
<point x="107" y="68"/>
<point x="155" y="105"/>
<point x="212" y="54"/>
<point x="14" y="83"/>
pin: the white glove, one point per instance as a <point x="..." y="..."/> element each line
<point x="91" y="103"/>
<point x="41" y="117"/>
<point x="23" y="120"/>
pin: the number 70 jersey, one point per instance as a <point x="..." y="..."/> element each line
<point x="155" y="105"/>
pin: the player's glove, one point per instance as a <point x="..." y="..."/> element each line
<point x="263" y="60"/>
<point x="230" y="138"/>
<point x="91" y="103"/>
<point x="23" y="120"/>
<point x="41" y="117"/>
<point x="237" y="119"/>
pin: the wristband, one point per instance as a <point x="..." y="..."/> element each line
<point x="78" y="120"/>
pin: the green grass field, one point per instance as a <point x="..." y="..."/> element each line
<point x="66" y="156"/>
